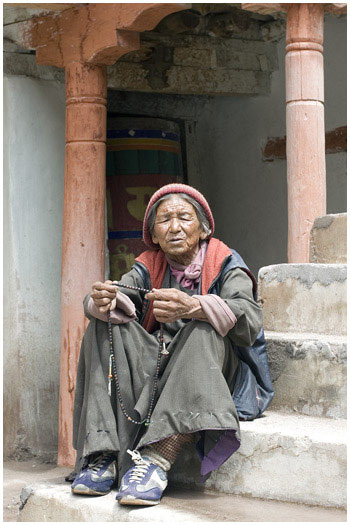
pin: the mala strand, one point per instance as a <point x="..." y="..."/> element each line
<point x="112" y="374"/>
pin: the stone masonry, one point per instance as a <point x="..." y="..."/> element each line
<point x="191" y="52"/>
<point x="328" y="239"/>
<point x="297" y="450"/>
<point x="304" y="309"/>
<point x="211" y="49"/>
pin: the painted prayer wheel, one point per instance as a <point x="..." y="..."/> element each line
<point x="143" y="154"/>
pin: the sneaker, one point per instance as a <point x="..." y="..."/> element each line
<point x="143" y="484"/>
<point x="97" y="476"/>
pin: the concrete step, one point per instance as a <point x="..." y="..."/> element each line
<point x="308" y="372"/>
<point x="284" y="457"/>
<point x="51" y="500"/>
<point x="328" y="239"/>
<point x="304" y="298"/>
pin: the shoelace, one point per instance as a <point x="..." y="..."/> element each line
<point x="141" y="467"/>
<point x="98" y="462"/>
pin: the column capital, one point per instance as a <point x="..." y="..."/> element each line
<point x="269" y="9"/>
<point x="97" y="34"/>
<point x="305" y="23"/>
<point x="265" y="9"/>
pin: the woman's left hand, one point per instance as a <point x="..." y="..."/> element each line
<point x="171" y="304"/>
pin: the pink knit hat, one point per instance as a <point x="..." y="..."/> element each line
<point x="175" y="188"/>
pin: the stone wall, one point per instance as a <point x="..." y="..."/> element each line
<point x="33" y="201"/>
<point x="203" y="51"/>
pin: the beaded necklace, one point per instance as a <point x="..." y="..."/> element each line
<point x="112" y="374"/>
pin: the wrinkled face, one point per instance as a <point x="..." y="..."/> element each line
<point x="177" y="229"/>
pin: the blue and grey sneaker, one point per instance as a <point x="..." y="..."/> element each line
<point x="143" y="484"/>
<point x="97" y="475"/>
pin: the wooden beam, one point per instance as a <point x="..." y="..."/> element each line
<point x="43" y="7"/>
<point x="336" y="9"/>
<point x="265" y="9"/>
<point x="336" y="142"/>
<point x="270" y="9"/>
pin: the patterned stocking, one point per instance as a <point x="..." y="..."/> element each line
<point x="163" y="453"/>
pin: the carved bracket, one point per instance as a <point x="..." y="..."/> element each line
<point x="95" y="33"/>
<point x="269" y="9"/>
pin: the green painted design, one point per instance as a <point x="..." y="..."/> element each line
<point x="110" y="166"/>
<point x="167" y="162"/>
<point x="126" y="162"/>
<point x="143" y="162"/>
<point x="148" y="161"/>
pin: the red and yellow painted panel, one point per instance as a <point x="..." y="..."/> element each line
<point x="138" y="163"/>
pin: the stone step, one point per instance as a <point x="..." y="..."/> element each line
<point x="308" y="372"/>
<point x="328" y="239"/>
<point x="49" y="499"/>
<point x="303" y="297"/>
<point x="283" y="457"/>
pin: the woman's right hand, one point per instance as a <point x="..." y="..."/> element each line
<point x="104" y="296"/>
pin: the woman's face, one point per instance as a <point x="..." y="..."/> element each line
<point x="177" y="229"/>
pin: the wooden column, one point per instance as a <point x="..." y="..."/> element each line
<point x="83" y="243"/>
<point x="85" y="39"/>
<point x="306" y="165"/>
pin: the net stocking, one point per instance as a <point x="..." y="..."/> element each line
<point x="167" y="448"/>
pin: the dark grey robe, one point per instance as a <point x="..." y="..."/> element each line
<point x="196" y="381"/>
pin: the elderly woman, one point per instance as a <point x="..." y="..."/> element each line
<point x="203" y="302"/>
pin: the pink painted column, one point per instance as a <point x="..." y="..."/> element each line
<point x="306" y="164"/>
<point x="83" y="243"/>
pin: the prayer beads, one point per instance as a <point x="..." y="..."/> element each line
<point x="113" y="369"/>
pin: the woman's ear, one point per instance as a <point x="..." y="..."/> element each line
<point x="202" y="235"/>
<point x="154" y="238"/>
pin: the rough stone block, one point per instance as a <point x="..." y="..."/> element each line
<point x="238" y="60"/>
<point x="123" y="75"/>
<point x="328" y="239"/>
<point x="237" y="24"/>
<point x="303" y="298"/>
<point x="187" y="80"/>
<point x="285" y="457"/>
<point x="201" y="58"/>
<point x="221" y="81"/>
<point x="308" y="373"/>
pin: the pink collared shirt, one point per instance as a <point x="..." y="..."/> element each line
<point x="215" y="310"/>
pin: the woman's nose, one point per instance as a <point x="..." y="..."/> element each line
<point x="175" y="224"/>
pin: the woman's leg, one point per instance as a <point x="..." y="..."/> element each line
<point x="193" y="390"/>
<point x="98" y="422"/>
<point x="164" y="453"/>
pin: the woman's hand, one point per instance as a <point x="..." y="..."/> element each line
<point x="171" y="304"/>
<point x="104" y="296"/>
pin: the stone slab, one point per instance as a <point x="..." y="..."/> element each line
<point x="284" y="457"/>
<point x="57" y="503"/>
<point x="328" y="239"/>
<point x="187" y="80"/>
<point x="303" y="297"/>
<point x="309" y="373"/>
<point x="214" y="507"/>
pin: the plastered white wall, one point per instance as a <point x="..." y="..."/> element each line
<point x="33" y="198"/>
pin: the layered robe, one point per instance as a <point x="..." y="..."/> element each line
<point x="197" y="379"/>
